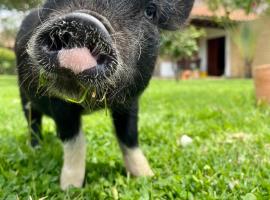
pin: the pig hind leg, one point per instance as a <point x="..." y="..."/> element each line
<point x="126" y="127"/>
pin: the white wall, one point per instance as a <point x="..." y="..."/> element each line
<point x="166" y="69"/>
<point x="228" y="62"/>
<point x="203" y="54"/>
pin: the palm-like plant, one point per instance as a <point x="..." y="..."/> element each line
<point x="245" y="37"/>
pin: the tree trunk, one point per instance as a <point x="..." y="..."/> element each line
<point x="248" y="68"/>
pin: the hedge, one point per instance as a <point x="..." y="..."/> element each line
<point x="7" y="61"/>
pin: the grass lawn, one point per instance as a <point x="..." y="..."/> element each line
<point x="228" y="159"/>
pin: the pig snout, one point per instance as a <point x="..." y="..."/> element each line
<point x="77" y="59"/>
<point x="77" y="42"/>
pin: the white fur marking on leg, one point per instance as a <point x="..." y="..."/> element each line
<point x="73" y="170"/>
<point x="135" y="162"/>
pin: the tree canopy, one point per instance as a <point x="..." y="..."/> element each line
<point x="229" y="5"/>
<point x="180" y="44"/>
<point x="19" y="4"/>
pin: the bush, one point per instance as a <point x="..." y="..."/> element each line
<point x="7" y="61"/>
<point x="180" y="44"/>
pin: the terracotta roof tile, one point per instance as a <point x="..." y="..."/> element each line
<point x="237" y="15"/>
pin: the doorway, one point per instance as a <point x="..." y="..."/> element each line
<point x="216" y="56"/>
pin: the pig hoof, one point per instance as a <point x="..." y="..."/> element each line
<point x="35" y="143"/>
<point x="71" y="178"/>
<point x="136" y="164"/>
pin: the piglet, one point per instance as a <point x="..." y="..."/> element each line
<point x="78" y="56"/>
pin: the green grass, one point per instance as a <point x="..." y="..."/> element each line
<point x="229" y="158"/>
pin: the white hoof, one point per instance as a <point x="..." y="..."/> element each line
<point x="71" y="178"/>
<point x="136" y="163"/>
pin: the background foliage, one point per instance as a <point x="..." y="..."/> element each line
<point x="7" y="61"/>
<point x="19" y="4"/>
<point x="180" y="44"/>
<point x="230" y="5"/>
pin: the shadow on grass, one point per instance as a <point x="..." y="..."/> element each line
<point x="98" y="172"/>
<point x="43" y="163"/>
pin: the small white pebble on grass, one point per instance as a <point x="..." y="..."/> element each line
<point x="185" y="141"/>
<point x="233" y="184"/>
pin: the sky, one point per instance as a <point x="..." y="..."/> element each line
<point x="13" y="14"/>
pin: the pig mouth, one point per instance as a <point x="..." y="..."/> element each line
<point x="75" y="47"/>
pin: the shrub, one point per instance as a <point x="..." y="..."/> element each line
<point x="180" y="44"/>
<point x="7" y="61"/>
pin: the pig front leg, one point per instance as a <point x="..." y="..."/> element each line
<point x="73" y="170"/>
<point x="126" y="127"/>
<point x="34" y="118"/>
<point x="68" y="121"/>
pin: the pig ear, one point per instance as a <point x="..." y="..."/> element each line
<point x="173" y="13"/>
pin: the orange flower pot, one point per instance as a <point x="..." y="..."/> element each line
<point x="262" y="83"/>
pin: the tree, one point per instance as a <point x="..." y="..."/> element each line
<point x="180" y="44"/>
<point x="230" y="5"/>
<point x="22" y="5"/>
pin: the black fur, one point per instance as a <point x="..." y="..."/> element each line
<point x="136" y="40"/>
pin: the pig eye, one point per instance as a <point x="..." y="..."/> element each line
<point x="151" y="11"/>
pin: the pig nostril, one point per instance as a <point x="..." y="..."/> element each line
<point x="56" y="42"/>
<point x="101" y="59"/>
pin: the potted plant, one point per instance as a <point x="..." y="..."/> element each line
<point x="179" y="46"/>
<point x="261" y="76"/>
<point x="262" y="83"/>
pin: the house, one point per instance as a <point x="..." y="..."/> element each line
<point x="219" y="55"/>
